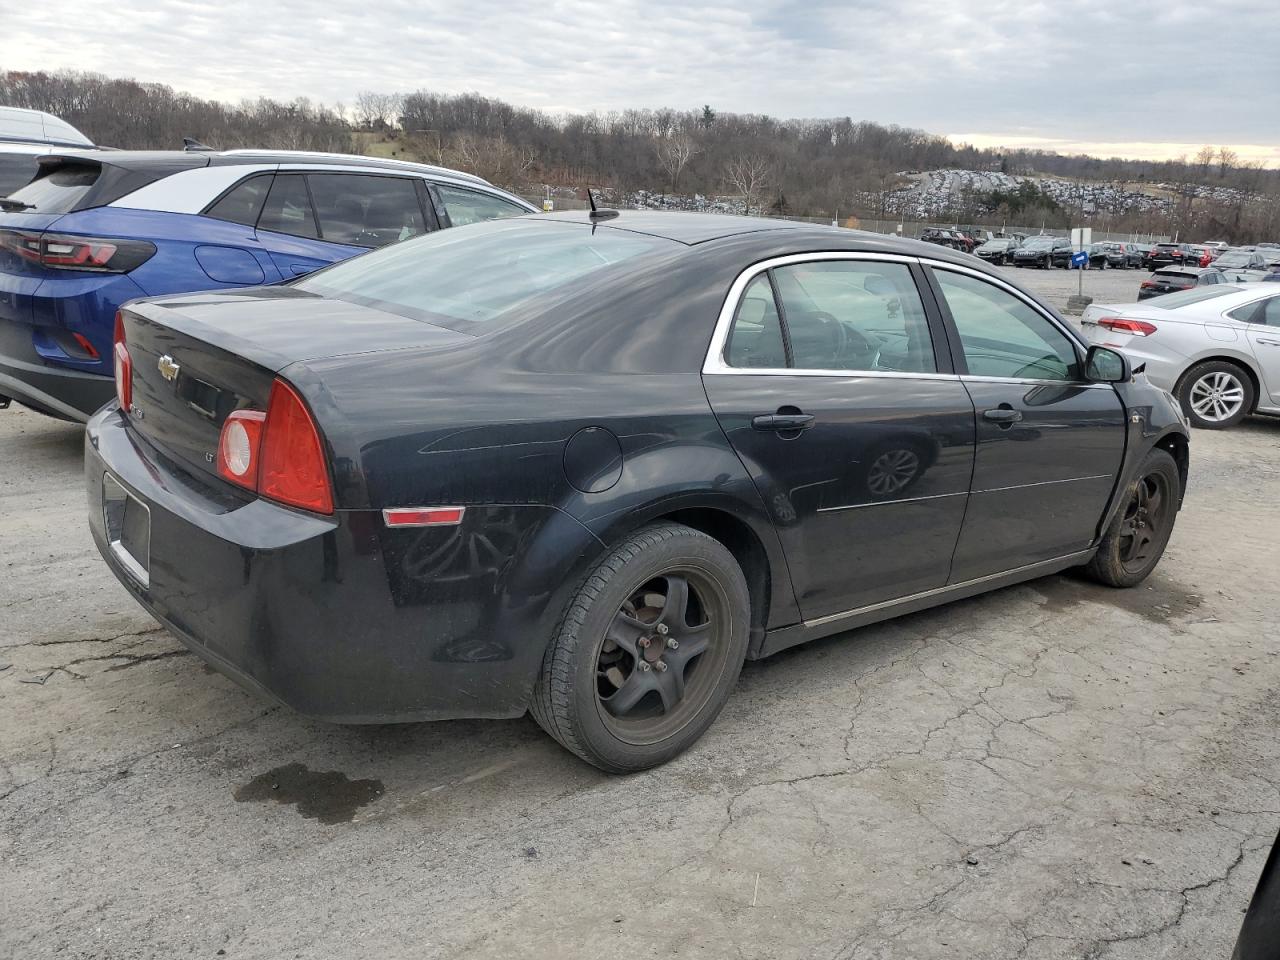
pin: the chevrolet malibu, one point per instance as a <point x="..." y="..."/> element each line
<point x="584" y="465"/>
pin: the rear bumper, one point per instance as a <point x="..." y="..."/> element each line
<point x="34" y="312"/>
<point x="338" y="617"/>
<point x="32" y="381"/>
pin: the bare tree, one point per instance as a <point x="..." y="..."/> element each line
<point x="749" y="175"/>
<point x="674" y="154"/>
<point x="1204" y="159"/>
<point x="1226" y="160"/>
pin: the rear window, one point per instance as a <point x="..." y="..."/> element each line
<point x="461" y="278"/>
<point x="1186" y="298"/>
<point x="16" y="170"/>
<point x="59" y="190"/>
<point x="1173" y="277"/>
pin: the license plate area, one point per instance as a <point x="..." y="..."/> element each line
<point x="128" y="525"/>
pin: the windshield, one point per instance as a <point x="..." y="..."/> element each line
<point x="1036" y="243"/>
<point x="995" y="244"/>
<point x="60" y="190"/>
<point x="1172" y="301"/>
<point x="474" y="274"/>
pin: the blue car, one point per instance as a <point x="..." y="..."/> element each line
<point x="94" y="230"/>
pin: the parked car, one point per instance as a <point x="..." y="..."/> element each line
<point x="1172" y="279"/>
<point x="1217" y="348"/>
<point x="1259" y="937"/>
<point x="27" y="135"/>
<point x="1203" y="256"/>
<point x="1241" y="260"/>
<point x="585" y="465"/>
<point x="1169" y="254"/>
<point x="94" y="230"/>
<point x="1044" y="252"/>
<point x="998" y="250"/>
<point x="1112" y="253"/>
<point x="944" y="237"/>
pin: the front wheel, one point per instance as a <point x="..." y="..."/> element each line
<point x="1137" y="536"/>
<point x="1215" y="395"/>
<point x="647" y="652"/>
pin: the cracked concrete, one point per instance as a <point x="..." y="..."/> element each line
<point x="1054" y="771"/>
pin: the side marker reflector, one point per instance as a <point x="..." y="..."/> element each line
<point x="423" y="516"/>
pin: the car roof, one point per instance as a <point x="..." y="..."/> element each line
<point x="184" y="159"/>
<point x="765" y="234"/>
<point x="21" y="125"/>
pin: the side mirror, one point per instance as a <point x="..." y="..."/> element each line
<point x="1104" y="365"/>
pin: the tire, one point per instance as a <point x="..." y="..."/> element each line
<point x="1215" y="395"/>
<point x="1140" y="531"/>
<point x="1048" y="263"/>
<point x="584" y="672"/>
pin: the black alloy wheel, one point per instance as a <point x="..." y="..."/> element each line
<point x="1140" y="531"/>
<point x="648" y="665"/>
<point x="648" y="650"/>
<point x="1143" y="526"/>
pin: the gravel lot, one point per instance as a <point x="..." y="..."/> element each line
<point x="1056" y="770"/>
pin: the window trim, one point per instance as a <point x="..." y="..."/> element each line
<point x="1076" y="340"/>
<point x="715" y="364"/>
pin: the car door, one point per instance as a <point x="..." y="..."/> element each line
<point x="834" y="385"/>
<point x="1049" y="443"/>
<point x="1263" y="331"/>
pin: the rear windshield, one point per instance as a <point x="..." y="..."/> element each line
<point x="471" y="275"/>
<point x="1172" y="301"/>
<point x="59" y="190"/>
<point x="16" y="170"/>
<point x="1173" y="277"/>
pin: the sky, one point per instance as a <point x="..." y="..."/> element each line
<point x="1113" y="78"/>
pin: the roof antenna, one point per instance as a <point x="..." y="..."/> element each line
<point x="191" y="144"/>
<point x="599" y="213"/>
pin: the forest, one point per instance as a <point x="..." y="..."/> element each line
<point x="790" y="167"/>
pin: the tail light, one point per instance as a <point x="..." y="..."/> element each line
<point x="86" y="254"/>
<point x="1139" y="328"/>
<point x="123" y="366"/>
<point x="277" y="454"/>
<point x="1147" y="285"/>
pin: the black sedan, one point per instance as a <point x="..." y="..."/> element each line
<point x="1173" y="279"/>
<point x="586" y="465"/>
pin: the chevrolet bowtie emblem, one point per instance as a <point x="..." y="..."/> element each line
<point x="168" y="368"/>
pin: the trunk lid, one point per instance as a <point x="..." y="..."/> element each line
<point x="198" y="357"/>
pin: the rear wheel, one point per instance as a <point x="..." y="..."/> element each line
<point x="1216" y="395"/>
<point x="647" y="652"/>
<point x="1135" y="541"/>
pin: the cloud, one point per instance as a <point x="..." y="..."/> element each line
<point x="1084" y="72"/>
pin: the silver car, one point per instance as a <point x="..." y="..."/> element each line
<point x="1217" y="349"/>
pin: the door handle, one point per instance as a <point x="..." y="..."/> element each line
<point x="783" y="421"/>
<point x="1269" y="343"/>
<point x="1005" y="416"/>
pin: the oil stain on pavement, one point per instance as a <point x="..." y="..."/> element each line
<point x="327" y="796"/>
